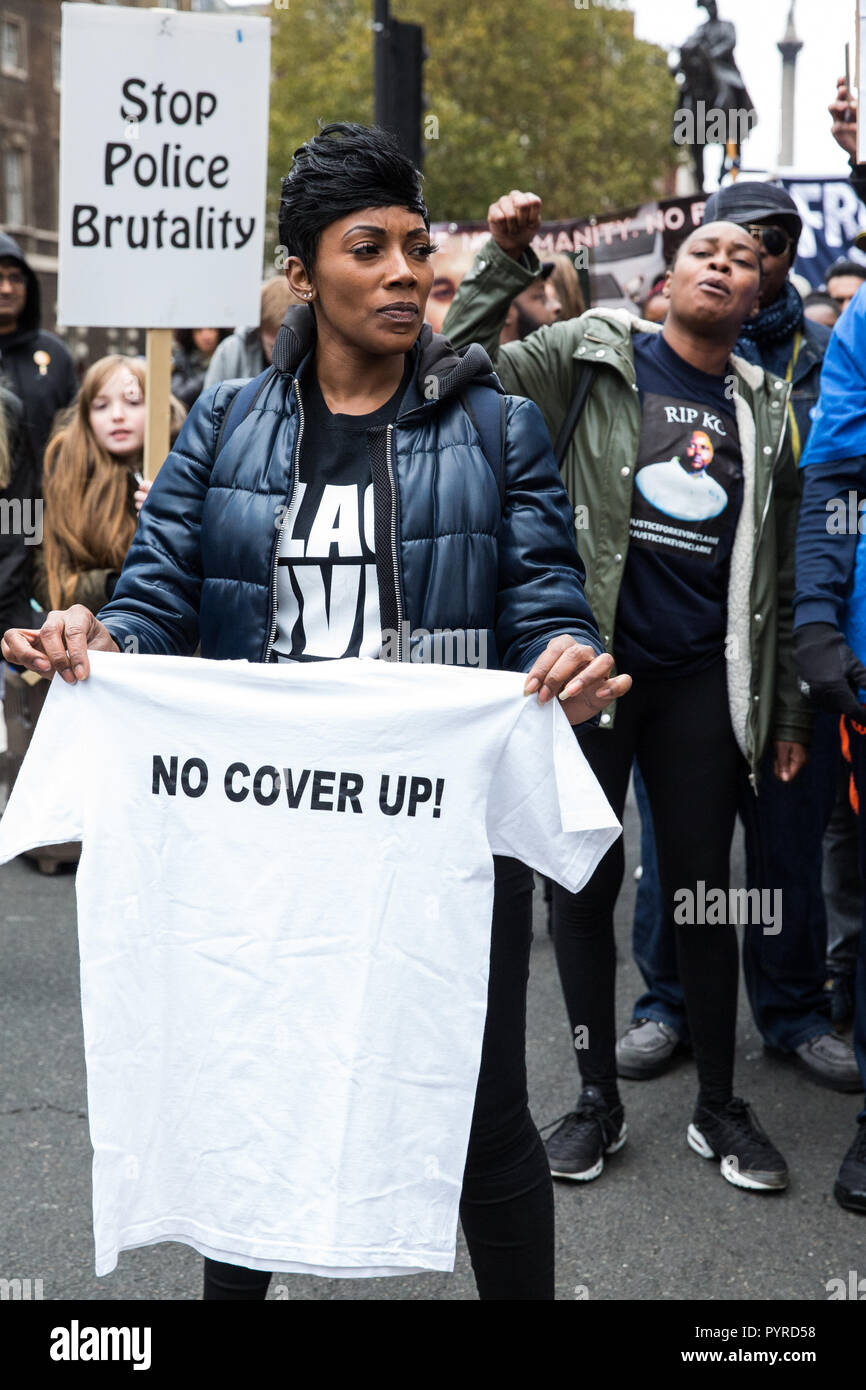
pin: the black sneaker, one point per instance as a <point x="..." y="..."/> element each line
<point x="734" y="1135"/>
<point x="850" y="1186"/>
<point x="576" y="1149"/>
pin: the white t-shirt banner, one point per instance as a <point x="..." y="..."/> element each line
<point x="163" y="167"/>
<point x="284" y="904"/>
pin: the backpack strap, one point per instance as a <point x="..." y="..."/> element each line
<point x="569" y="424"/>
<point x="240" y="406"/>
<point x="486" y="409"/>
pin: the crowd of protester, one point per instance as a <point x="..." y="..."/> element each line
<point x="745" y="654"/>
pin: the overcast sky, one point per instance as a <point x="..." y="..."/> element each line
<point x="824" y="27"/>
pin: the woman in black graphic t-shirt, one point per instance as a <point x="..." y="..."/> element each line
<point x="686" y="491"/>
<point x="363" y="402"/>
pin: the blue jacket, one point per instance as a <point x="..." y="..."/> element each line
<point x="830" y="555"/>
<point x="449" y="556"/>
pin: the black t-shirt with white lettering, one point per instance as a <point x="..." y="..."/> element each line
<point x="327" y="592"/>
<point x="688" y="489"/>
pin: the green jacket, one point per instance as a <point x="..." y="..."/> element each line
<point x="598" y="471"/>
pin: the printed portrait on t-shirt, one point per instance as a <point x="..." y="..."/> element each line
<point x="688" y="468"/>
<point x="682" y="487"/>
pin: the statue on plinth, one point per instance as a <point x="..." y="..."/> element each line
<point x="714" y="101"/>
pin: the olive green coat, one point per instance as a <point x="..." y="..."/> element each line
<point x="598" y="471"/>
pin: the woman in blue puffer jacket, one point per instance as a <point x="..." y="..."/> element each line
<point x="355" y="503"/>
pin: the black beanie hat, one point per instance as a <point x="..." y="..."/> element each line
<point x="754" y="202"/>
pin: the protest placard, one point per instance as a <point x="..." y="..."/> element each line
<point x="163" y="158"/>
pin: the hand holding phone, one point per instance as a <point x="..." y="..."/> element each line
<point x="844" y="113"/>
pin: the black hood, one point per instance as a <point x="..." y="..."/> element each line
<point x="32" y="315"/>
<point x="435" y="357"/>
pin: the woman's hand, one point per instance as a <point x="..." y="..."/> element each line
<point x="141" y="493"/>
<point x="790" y="757"/>
<point x="60" y="644"/>
<point x="580" y="678"/>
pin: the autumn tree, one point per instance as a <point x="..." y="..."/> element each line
<point x="538" y="94"/>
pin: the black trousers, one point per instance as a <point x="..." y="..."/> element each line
<point x="506" y="1208"/>
<point x="680" y="732"/>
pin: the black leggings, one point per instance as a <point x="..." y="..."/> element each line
<point x="506" y="1208"/>
<point x="680" y="731"/>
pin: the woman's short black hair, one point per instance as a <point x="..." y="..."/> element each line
<point x="342" y="169"/>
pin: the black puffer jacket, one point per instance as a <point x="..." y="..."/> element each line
<point x="20" y="521"/>
<point x="43" y="386"/>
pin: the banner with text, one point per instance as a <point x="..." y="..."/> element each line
<point x="832" y="216"/>
<point x="626" y="251"/>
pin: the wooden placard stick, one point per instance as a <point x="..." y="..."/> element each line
<point x="158" y="389"/>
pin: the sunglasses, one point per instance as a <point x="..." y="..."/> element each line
<point x="773" y="239"/>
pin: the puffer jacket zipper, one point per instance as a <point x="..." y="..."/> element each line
<point x="397" y="592"/>
<point x="288" y="513"/>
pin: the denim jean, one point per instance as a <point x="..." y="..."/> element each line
<point x="784" y="970"/>
<point x="653" y="942"/>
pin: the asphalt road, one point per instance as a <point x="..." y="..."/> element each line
<point x="660" y="1224"/>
